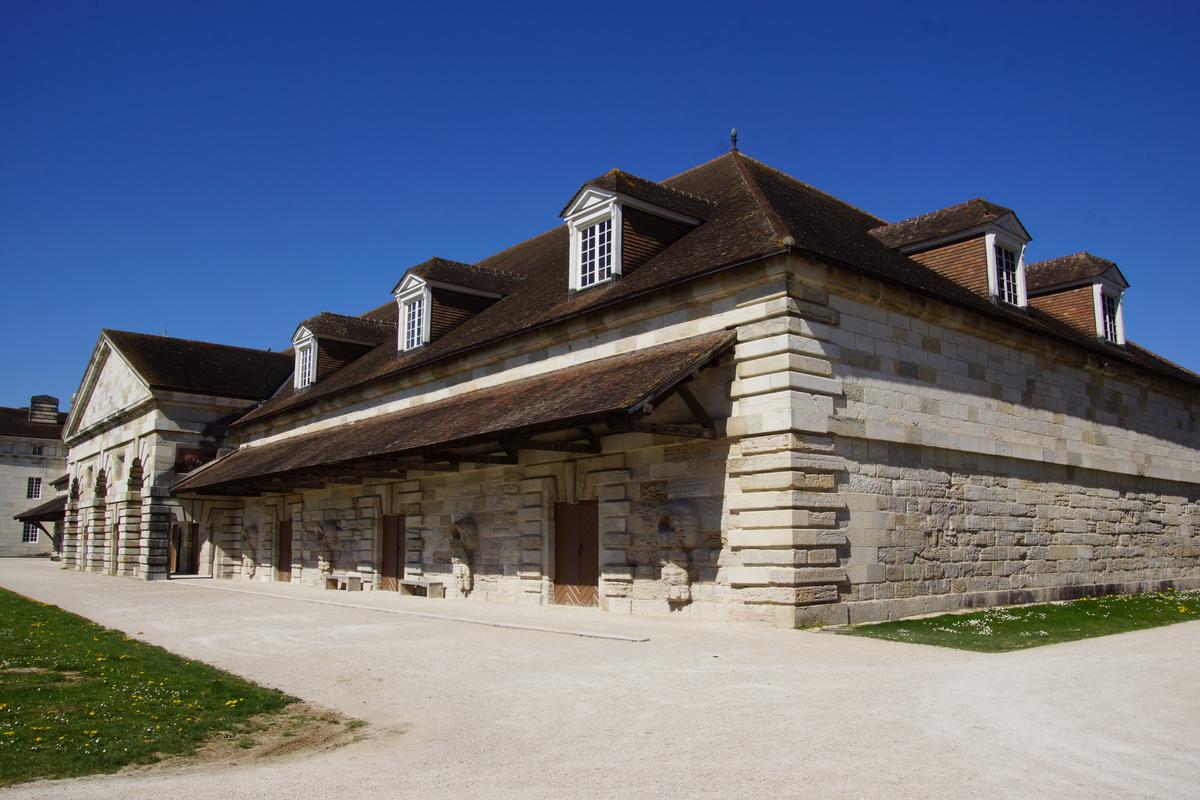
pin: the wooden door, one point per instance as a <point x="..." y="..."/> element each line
<point x="577" y="553"/>
<point x="283" y="552"/>
<point x="393" y="552"/>
<point x="193" y="549"/>
<point x="173" y="550"/>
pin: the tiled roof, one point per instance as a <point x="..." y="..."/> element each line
<point x="565" y="398"/>
<point x="467" y="276"/>
<point x="756" y="211"/>
<point x="354" y="329"/>
<point x="1066" y="269"/>
<point x="15" y="422"/>
<point x="943" y="222"/>
<point x="49" y="511"/>
<point x="656" y="194"/>
<point x="202" y="367"/>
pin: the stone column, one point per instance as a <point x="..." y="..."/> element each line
<point x="156" y="531"/>
<point x="616" y="574"/>
<point x="98" y="541"/>
<point x="70" y="547"/>
<point x="130" y="515"/>
<point x="533" y="513"/>
<point x="786" y="519"/>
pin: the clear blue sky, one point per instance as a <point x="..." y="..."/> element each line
<point x="225" y="170"/>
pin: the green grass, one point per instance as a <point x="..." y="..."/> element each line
<point x="998" y="630"/>
<point x="76" y="698"/>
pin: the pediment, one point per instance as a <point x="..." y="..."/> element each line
<point x="302" y="334"/>
<point x="409" y="284"/>
<point x="588" y="199"/>
<point x="110" y="386"/>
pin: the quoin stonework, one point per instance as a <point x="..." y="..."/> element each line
<point x="726" y="395"/>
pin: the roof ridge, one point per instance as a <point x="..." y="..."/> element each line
<point x="672" y="189"/>
<point x="808" y="186"/>
<point x="698" y="166"/>
<point x="1086" y="253"/>
<point x="961" y="204"/>
<point x="353" y="317"/>
<point x="773" y="218"/>
<point x="189" y="341"/>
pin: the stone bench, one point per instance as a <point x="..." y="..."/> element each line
<point x="417" y="587"/>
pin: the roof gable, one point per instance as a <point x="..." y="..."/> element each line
<point x="110" y="386"/>
<point x="1064" y="271"/>
<point x="948" y="224"/>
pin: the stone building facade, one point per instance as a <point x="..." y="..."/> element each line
<point x="32" y="457"/>
<point x="149" y="409"/>
<point x="724" y="396"/>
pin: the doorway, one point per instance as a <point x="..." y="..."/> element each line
<point x="283" y="553"/>
<point x="393" y="552"/>
<point x="577" y="553"/>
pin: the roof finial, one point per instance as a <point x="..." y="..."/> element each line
<point x="733" y="140"/>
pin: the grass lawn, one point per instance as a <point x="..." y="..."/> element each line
<point x="1000" y="629"/>
<point x="76" y="698"/>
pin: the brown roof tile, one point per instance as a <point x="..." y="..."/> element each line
<point x="943" y="222"/>
<point x="50" y="511"/>
<point x="15" y="422"/>
<point x="564" y="398"/>
<point x="354" y="329"/>
<point x="656" y="194"/>
<point x="756" y="211"/>
<point x="468" y="276"/>
<point x="202" y="367"/>
<point x="1065" y="270"/>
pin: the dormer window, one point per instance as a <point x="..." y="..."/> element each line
<point x="595" y="254"/>
<point x="306" y="362"/>
<point x="414" y="322"/>
<point x="1006" y="270"/>
<point x="1006" y="275"/>
<point x="1109" y="322"/>
<point x="413" y="295"/>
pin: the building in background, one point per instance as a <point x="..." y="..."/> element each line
<point x="32" y="458"/>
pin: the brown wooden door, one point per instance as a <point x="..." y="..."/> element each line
<point x="283" y="552"/>
<point x="577" y="553"/>
<point x="193" y="549"/>
<point x="393" y="552"/>
<point x="173" y="550"/>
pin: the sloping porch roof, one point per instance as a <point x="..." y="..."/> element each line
<point x="52" y="510"/>
<point x="621" y="386"/>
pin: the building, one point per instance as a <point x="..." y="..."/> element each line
<point x="32" y="457"/>
<point x="149" y="409"/>
<point x="726" y="395"/>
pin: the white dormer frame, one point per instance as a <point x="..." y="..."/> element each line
<point x="1001" y="238"/>
<point x="304" y="374"/>
<point x="413" y="290"/>
<point x="1100" y="290"/>
<point x="593" y="207"/>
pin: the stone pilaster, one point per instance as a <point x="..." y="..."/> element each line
<point x="98" y="539"/>
<point x="129" y="515"/>
<point x="785" y="516"/>
<point x="406" y="500"/>
<point x="535" y="507"/>
<point x="70" y="547"/>
<point x="153" y="555"/>
<point x="616" y="573"/>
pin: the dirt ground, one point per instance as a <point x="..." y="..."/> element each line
<point x="469" y="700"/>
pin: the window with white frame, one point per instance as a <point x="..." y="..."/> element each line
<point x="306" y="364"/>
<point x="1110" y="323"/>
<point x="33" y="488"/>
<point x="1008" y="287"/>
<point x="29" y="534"/>
<point x="595" y="253"/>
<point x="414" y="322"/>
<point x="1108" y="307"/>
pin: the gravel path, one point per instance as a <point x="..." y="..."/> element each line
<point x="466" y="710"/>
